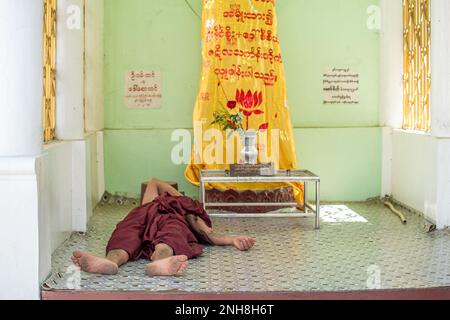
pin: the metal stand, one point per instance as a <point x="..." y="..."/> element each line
<point x="300" y="176"/>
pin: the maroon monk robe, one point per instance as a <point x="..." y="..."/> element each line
<point x="161" y="221"/>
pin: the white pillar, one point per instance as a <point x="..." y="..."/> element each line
<point x="391" y="70"/>
<point x="94" y="65"/>
<point x="21" y="91"/>
<point x="19" y="227"/>
<point x="21" y="77"/>
<point x="391" y="63"/>
<point x="440" y="68"/>
<point x="440" y="104"/>
<point x="69" y="66"/>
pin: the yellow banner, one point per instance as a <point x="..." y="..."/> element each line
<point x="242" y="87"/>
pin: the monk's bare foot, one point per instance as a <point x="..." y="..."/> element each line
<point x="162" y="251"/>
<point x="93" y="264"/>
<point x="173" y="266"/>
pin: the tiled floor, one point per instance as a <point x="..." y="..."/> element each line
<point x="289" y="256"/>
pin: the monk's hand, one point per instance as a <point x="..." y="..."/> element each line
<point x="243" y="243"/>
<point x="203" y="226"/>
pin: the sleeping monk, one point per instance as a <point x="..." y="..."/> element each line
<point x="168" y="229"/>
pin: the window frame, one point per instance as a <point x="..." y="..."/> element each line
<point x="417" y="65"/>
<point x="49" y="71"/>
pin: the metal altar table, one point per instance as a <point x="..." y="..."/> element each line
<point x="300" y="176"/>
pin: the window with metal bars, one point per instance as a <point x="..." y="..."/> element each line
<point x="416" y="65"/>
<point x="49" y="56"/>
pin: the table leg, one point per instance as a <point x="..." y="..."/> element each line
<point x="305" y="200"/>
<point x="317" y="224"/>
<point x="202" y="194"/>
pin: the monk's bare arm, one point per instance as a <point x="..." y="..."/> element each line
<point x="151" y="192"/>
<point x="221" y="240"/>
<point x="155" y="188"/>
<point x="164" y="187"/>
<point x="242" y="243"/>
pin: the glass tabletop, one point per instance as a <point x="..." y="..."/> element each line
<point x="280" y="174"/>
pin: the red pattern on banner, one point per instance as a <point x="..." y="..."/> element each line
<point x="235" y="71"/>
<point x="218" y="32"/>
<point x="242" y="16"/>
<point x="253" y="53"/>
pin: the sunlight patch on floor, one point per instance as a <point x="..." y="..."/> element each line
<point x="339" y="214"/>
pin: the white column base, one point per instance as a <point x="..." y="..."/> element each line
<point x="19" y="231"/>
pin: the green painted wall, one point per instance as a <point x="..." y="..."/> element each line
<point x="318" y="34"/>
<point x="160" y="34"/>
<point x="341" y="143"/>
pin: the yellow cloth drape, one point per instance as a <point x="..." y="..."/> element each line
<point x="243" y="70"/>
